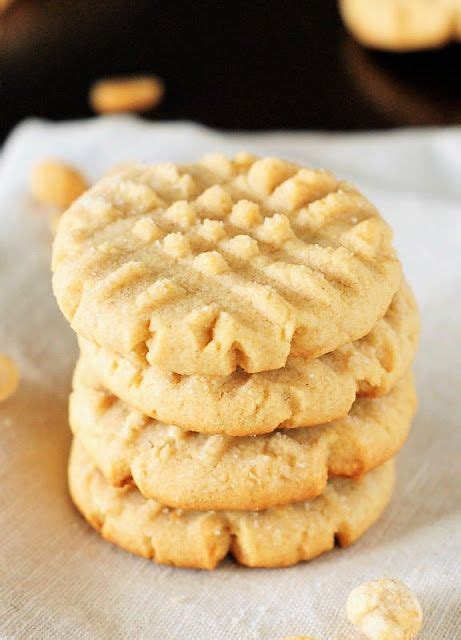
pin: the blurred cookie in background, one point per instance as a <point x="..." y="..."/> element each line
<point x="402" y="25"/>
<point x="124" y="94"/>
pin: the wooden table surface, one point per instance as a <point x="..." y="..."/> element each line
<point x="233" y="65"/>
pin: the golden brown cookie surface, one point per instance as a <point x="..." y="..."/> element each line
<point x="223" y="264"/>
<point x="277" y="537"/>
<point x="304" y="393"/>
<point x="189" y="470"/>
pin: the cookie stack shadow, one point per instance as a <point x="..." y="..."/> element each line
<point x="244" y="381"/>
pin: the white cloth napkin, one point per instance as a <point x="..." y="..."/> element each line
<point x="58" y="579"/>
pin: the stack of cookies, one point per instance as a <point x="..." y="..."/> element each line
<point x="244" y="381"/>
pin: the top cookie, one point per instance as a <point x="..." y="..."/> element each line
<point x="204" y="268"/>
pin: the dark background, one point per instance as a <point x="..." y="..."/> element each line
<point x="231" y="65"/>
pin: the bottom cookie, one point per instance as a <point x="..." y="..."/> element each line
<point x="276" y="537"/>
